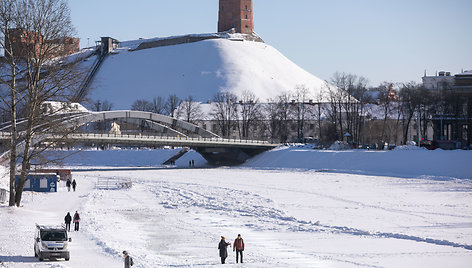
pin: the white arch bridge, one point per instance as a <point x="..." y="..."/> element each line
<point x="63" y="128"/>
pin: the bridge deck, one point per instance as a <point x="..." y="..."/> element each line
<point x="150" y="140"/>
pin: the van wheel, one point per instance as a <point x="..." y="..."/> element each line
<point x="40" y="256"/>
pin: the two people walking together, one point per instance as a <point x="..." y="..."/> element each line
<point x="68" y="219"/>
<point x="238" y="246"/>
<point x="69" y="184"/>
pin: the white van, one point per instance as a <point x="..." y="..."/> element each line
<point x="50" y="242"/>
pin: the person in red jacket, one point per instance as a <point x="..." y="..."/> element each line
<point x="238" y="246"/>
<point x="76" y="221"/>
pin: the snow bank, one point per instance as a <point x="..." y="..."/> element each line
<point x="397" y="163"/>
<point x="126" y="157"/>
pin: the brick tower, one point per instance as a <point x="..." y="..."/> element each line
<point x="236" y="14"/>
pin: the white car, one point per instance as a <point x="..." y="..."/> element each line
<point x="50" y="242"/>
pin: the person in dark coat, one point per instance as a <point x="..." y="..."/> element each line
<point x="76" y="221"/>
<point x="74" y="183"/>
<point x="239" y="247"/>
<point x="68" y="185"/>
<point x="67" y="220"/>
<point x="222" y="246"/>
<point x="127" y="259"/>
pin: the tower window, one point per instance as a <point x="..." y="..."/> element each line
<point x="245" y="7"/>
<point x="246" y="16"/>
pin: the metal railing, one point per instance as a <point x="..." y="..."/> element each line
<point x="108" y="136"/>
<point x="113" y="183"/>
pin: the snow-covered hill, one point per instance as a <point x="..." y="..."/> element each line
<point x="198" y="69"/>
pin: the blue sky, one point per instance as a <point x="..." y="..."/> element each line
<point x="394" y="41"/>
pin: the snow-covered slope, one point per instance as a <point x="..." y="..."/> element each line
<point x="198" y="69"/>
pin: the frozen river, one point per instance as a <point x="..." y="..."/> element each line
<point x="175" y="217"/>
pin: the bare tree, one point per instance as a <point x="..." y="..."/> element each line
<point x="272" y="121"/>
<point x="350" y="99"/>
<point x="385" y="102"/>
<point x="334" y="114"/>
<point x="172" y="104"/>
<point x="158" y="105"/>
<point x="277" y="111"/>
<point x="8" y="83"/>
<point x="225" y="111"/>
<point x="41" y="23"/>
<point x="299" y="107"/>
<point x="410" y="102"/>
<point x="102" y="105"/>
<point x="142" y="105"/>
<point x="318" y="113"/>
<point x="249" y="112"/>
<point x="284" y="115"/>
<point x="190" y="110"/>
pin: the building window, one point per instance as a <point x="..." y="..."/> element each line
<point x="246" y="16"/>
<point x="245" y="7"/>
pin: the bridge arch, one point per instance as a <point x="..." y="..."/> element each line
<point x="156" y="121"/>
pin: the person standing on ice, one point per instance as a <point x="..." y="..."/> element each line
<point x="76" y="221"/>
<point x="223" y="251"/>
<point x="74" y="183"/>
<point x="239" y="247"/>
<point x="68" y="185"/>
<point x="67" y="220"/>
<point x="127" y="259"/>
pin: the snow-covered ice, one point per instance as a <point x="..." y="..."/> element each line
<point x="295" y="215"/>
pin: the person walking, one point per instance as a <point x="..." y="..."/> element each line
<point x="127" y="259"/>
<point x="222" y="246"/>
<point x="67" y="220"/>
<point x="76" y="221"/>
<point x="239" y="247"/>
<point x="74" y="184"/>
<point x="68" y="185"/>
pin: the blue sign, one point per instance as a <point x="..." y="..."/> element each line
<point x="39" y="182"/>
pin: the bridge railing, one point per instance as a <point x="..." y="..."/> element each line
<point x="170" y="138"/>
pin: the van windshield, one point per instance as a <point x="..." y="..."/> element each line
<point x="53" y="236"/>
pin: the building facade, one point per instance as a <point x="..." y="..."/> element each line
<point x="452" y="119"/>
<point x="237" y="14"/>
<point x="22" y="42"/>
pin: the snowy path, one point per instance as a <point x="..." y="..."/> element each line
<point x="17" y="230"/>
